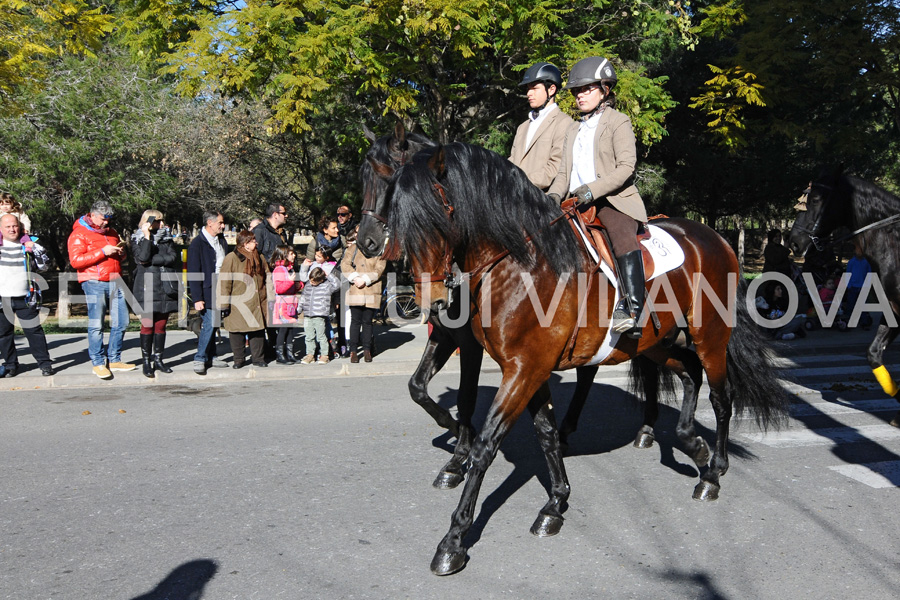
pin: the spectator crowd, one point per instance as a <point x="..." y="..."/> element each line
<point x="258" y="290"/>
<point x="264" y="294"/>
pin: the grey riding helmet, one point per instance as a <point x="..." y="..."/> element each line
<point x="542" y="71"/>
<point x="591" y="70"/>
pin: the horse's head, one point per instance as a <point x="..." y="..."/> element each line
<point x="820" y="212"/>
<point x="387" y="154"/>
<point x="422" y="216"/>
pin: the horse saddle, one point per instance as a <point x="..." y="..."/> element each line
<point x="594" y="230"/>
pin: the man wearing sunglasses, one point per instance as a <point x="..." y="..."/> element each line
<point x="270" y="233"/>
<point x="538" y="146"/>
<point x="346" y="222"/>
<point x="96" y="253"/>
<point x="598" y="169"/>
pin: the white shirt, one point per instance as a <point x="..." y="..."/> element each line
<point x="583" y="170"/>
<point x="537" y="120"/>
<point x="214" y="242"/>
<point x="13" y="283"/>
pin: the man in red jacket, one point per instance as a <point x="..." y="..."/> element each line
<point x="96" y="252"/>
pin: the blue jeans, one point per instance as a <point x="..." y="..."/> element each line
<point x="206" y="349"/>
<point x="100" y="296"/>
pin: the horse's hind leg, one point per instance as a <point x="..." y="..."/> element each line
<point x="715" y="366"/>
<point x="471" y="355"/>
<point x="883" y="338"/>
<point x="550" y="519"/>
<point x="687" y="366"/>
<point x="582" y="389"/>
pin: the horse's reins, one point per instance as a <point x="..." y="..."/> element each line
<point x="450" y="280"/>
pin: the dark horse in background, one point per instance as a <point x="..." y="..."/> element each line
<point x="387" y="154"/>
<point x="466" y="204"/>
<point x="836" y="202"/>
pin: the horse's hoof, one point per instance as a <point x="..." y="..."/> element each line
<point x="706" y="491"/>
<point x="643" y="440"/>
<point x="447" y="481"/>
<point x="896" y="420"/>
<point x="701" y="456"/>
<point x="546" y="525"/>
<point x="447" y="563"/>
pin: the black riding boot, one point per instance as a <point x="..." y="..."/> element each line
<point x="627" y="315"/>
<point x="146" y="351"/>
<point x="159" y="340"/>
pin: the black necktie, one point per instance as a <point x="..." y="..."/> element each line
<point x="535" y="113"/>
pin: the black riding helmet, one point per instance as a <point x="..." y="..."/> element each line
<point x="544" y="72"/>
<point x="591" y="70"/>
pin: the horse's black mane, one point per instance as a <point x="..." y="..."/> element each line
<point x="870" y="202"/>
<point x="494" y="203"/>
<point x="383" y="151"/>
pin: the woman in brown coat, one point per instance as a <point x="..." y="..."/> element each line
<point x="363" y="297"/>
<point x="241" y="291"/>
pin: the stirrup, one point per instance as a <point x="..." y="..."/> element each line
<point x="625" y="323"/>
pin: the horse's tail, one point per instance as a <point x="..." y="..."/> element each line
<point x="751" y="382"/>
<point x="647" y="376"/>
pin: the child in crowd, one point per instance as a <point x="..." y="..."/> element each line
<point x="284" y="311"/>
<point x="9" y="205"/>
<point x="315" y="301"/>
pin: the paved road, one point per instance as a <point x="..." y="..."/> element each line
<point x="314" y="482"/>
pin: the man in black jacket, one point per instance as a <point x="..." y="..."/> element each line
<point x="346" y="222"/>
<point x="205" y="256"/>
<point x="269" y="234"/>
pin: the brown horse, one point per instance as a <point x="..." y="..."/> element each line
<point x="387" y="154"/>
<point x="536" y="310"/>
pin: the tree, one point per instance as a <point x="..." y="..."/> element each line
<point x="451" y="65"/>
<point x="34" y="33"/>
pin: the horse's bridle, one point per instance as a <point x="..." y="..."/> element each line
<point x="369" y="206"/>
<point x="446" y="272"/>
<point x="813" y="230"/>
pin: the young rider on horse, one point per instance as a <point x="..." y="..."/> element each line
<point x="598" y="169"/>
<point x="538" y="146"/>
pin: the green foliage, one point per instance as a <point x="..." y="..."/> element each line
<point x="34" y="33"/>
<point x="724" y="99"/>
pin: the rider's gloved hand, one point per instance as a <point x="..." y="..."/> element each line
<point x="584" y="195"/>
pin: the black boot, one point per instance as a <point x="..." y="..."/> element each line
<point x="280" y="358"/>
<point x="159" y="340"/>
<point x="627" y="315"/>
<point x="289" y="353"/>
<point x="146" y="351"/>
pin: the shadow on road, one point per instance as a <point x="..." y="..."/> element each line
<point x="186" y="582"/>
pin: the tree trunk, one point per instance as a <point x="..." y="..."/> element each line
<point x="739" y="223"/>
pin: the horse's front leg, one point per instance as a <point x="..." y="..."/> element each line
<point x="582" y="389"/>
<point x="550" y="519"/>
<point x="512" y="398"/>
<point x="437" y="351"/>
<point x="883" y="337"/>
<point x="471" y="355"/>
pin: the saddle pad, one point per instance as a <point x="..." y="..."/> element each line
<point x="667" y="255"/>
